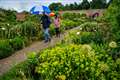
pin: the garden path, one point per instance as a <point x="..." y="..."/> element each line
<point x="7" y="63"/>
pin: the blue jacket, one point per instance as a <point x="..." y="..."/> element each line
<point x="45" y="21"/>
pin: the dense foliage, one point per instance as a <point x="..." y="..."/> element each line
<point x="21" y="33"/>
<point x="5" y="48"/>
<point x="113" y="16"/>
<point x="80" y="57"/>
<point x="92" y="52"/>
<point x="76" y="62"/>
<point x="98" y="4"/>
<point x="56" y="6"/>
<point x="85" y="4"/>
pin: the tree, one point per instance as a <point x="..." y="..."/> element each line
<point x="85" y="4"/>
<point x="55" y="6"/>
<point x="71" y="6"/>
<point x="76" y="6"/>
<point x="98" y="4"/>
<point x="79" y="6"/>
<point x="110" y="1"/>
<point x="66" y="7"/>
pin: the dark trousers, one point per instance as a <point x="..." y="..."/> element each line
<point x="57" y="31"/>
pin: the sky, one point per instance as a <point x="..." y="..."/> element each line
<point x="21" y="5"/>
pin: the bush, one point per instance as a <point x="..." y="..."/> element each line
<point x="23" y="71"/>
<point x="68" y="24"/>
<point x="113" y="17"/>
<point x="90" y="26"/>
<point x="75" y="62"/>
<point x="5" y="49"/>
<point x="18" y="72"/>
<point x="17" y="43"/>
<point x="28" y="29"/>
<point x="79" y="37"/>
<point x="52" y="29"/>
<point x="71" y="16"/>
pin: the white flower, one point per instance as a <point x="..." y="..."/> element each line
<point x="8" y="24"/>
<point x="78" y="33"/>
<point x="3" y="28"/>
<point x="80" y="28"/>
<point x="113" y="44"/>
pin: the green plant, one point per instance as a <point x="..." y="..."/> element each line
<point x="17" y="43"/>
<point x="72" y="16"/>
<point x="68" y="24"/>
<point x="76" y="62"/>
<point x="5" y="49"/>
<point x="80" y="37"/>
<point x="114" y="19"/>
<point x="90" y="26"/>
<point x="21" y="71"/>
<point x="52" y="29"/>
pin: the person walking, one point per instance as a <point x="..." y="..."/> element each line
<point x="57" y="25"/>
<point x="45" y="21"/>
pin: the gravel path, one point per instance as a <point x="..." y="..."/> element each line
<point x="20" y="56"/>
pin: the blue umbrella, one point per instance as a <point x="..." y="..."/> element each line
<point x="40" y="9"/>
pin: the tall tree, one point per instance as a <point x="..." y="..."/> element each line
<point x="85" y="4"/>
<point x="66" y="7"/>
<point x="55" y="6"/>
<point x="79" y="6"/>
<point x="76" y="6"/>
<point x="98" y="4"/>
<point x="71" y="6"/>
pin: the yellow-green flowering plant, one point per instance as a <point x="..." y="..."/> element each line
<point x="73" y="62"/>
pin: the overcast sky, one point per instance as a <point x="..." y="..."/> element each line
<point x="21" y="5"/>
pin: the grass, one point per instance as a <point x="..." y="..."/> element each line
<point x="15" y="72"/>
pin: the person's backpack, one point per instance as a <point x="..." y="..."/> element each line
<point x="49" y="21"/>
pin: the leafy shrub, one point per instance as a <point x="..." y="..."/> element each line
<point x="113" y="17"/>
<point x="5" y="49"/>
<point x="22" y="71"/>
<point x="68" y="24"/>
<point x="18" y="72"/>
<point x="52" y="29"/>
<point x="102" y="50"/>
<point x="114" y="49"/>
<point x="90" y="26"/>
<point x="28" y="29"/>
<point x="71" y="16"/>
<point x="67" y="16"/>
<point x="17" y="43"/>
<point x="75" y="62"/>
<point x="101" y="28"/>
<point x="79" y="37"/>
